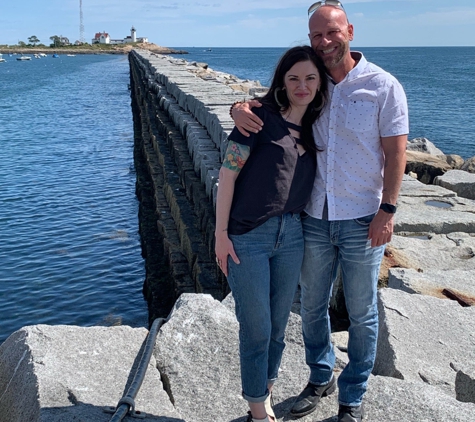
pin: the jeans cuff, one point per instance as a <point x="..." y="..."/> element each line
<point x="260" y="399"/>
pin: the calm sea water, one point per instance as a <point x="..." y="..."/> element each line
<point x="439" y="84"/>
<point x="69" y="246"/>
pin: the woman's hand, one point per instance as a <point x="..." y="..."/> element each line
<point x="244" y="119"/>
<point x="223" y="248"/>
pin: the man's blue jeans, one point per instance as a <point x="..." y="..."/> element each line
<point x="327" y="245"/>
<point x="263" y="287"/>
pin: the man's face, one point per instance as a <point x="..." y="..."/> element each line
<point x="330" y="35"/>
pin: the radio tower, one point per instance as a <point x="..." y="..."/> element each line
<point x="81" y="25"/>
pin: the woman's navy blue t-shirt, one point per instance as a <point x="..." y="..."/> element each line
<point x="275" y="179"/>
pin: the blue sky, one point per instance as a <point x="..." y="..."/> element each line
<point x="239" y="23"/>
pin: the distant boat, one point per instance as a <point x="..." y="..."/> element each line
<point x="2" y="59"/>
<point x="43" y="55"/>
<point x="55" y="56"/>
<point x="37" y="56"/>
<point x="23" y="58"/>
<point x="71" y="55"/>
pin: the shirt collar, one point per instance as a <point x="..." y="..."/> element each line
<point x="353" y="73"/>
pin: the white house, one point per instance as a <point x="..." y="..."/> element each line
<point x="103" y="38"/>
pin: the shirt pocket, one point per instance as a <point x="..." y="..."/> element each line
<point x="361" y="115"/>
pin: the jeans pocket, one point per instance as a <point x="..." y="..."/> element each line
<point x="303" y="215"/>
<point x="366" y="220"/>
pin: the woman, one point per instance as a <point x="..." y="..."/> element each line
<point x="264" y="183"/>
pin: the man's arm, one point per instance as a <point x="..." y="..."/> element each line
<point x="244" y="119"/>
<point x="382" y="226"/>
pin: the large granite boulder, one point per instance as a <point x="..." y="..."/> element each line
<point x="68" y="373"/>
<point x="425" y="165"/>
<point x="423" y="338"/>
<point x="423" y="145"/>
<point x="455" y="161"/>
<point x="459" y="181"/>
<point x="469" y="165"/>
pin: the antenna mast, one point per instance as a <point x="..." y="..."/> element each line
<point x="81" y="25"/>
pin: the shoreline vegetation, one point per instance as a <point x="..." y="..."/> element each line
<point x="88" y="49"/>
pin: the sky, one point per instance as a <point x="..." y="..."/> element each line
<point x="236" y="23"/>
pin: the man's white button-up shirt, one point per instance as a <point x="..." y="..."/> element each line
<point x="367" y="105"/>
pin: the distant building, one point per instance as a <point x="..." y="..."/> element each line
<point x="64" y="41"/>
<point x="104" y="38"/>
<point x="101" y="38"/>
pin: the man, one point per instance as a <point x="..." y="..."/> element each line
<point x="362" y="137"/>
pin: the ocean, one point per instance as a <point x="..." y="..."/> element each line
<point x="439" y="83"/>
<point x="69" y="245"/>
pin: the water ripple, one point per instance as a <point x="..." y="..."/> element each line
<point x="69" y="245"/>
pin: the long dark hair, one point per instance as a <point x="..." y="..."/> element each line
<point x="277" y="99"/>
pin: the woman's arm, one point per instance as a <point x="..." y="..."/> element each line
<point x="234" y="160"/>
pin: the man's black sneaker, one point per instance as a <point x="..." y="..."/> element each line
<point x="308" y="399"/>
<point x="350" y="413"/>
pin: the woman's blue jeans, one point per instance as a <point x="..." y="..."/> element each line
<point x="329" y="244"/>
<point x="263" y="287"/>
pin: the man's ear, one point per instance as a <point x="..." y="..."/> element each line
<point x="350" y="32"/>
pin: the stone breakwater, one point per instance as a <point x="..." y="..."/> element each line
<point x="181" y="120"/>
<point x="424" y="367"/>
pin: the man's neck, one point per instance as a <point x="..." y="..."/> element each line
<point x="339" y="73"/>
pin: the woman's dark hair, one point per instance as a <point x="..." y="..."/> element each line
<point x="277" y="99"/>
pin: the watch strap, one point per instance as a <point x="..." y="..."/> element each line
<point x="389" y="208"/>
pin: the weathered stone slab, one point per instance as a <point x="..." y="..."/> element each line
<point x="68" y="373"/>
<point x="412" y="187"/>
<point x="435" y="215"/>
<point x="427" y="251"/>
<point x="461" y="182"/>
<point x="433" y="282"/>
<point x="197" y="354"/>
<point x="422" y="337"/>
<point x="393" y="400"/>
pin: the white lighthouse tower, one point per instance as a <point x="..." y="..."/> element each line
<point x="133" y="35"/>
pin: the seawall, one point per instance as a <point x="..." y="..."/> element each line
<point x="180" y="124"/>
<point x="424" y="367"/>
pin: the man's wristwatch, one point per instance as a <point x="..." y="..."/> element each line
<point x="389" y="208"/>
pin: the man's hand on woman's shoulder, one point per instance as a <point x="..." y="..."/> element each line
<point x="244" y="119"/>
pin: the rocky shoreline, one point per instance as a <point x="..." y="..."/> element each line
<point x="117" y="49"/>
<point x="424" y="368"/>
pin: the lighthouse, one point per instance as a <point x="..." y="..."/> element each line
<point x="132" y="34"/>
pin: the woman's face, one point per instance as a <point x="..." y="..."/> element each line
<point x="301" y="83"/>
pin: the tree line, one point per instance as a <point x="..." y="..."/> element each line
<point x="57" y="41"/>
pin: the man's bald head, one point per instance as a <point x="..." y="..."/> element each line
<point x="330" y="36"/>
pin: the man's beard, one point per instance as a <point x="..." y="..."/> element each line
<point x="332" y="62"/>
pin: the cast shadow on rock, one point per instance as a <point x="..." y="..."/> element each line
<point x="84" y="412"/>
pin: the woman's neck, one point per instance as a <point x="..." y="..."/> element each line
<point x="294" y="114"/>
